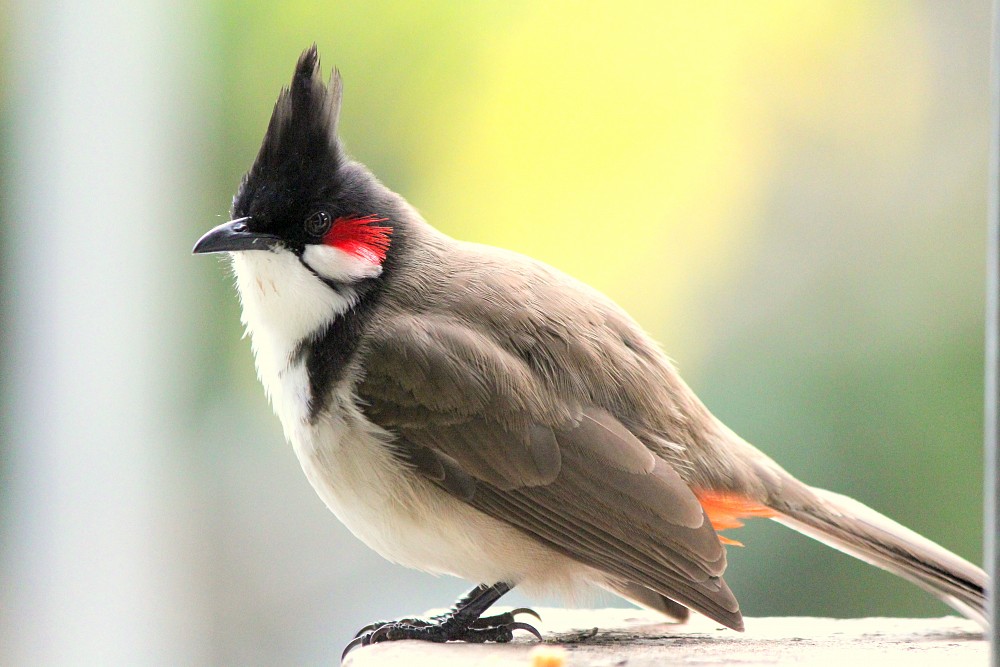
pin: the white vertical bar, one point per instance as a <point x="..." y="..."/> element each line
<point x="94" y="553"/>
<point x="992" y="413"/>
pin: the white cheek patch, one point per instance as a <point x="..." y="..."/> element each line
<point x="338" y="265"/>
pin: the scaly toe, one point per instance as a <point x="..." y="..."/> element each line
<point x="502" y="619"/>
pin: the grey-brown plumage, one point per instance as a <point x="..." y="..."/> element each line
<point x="469" y="410"/>
<point x="590" y="443"/>
<point x="495" y="396"/>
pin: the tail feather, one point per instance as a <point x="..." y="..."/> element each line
<point x="860" y="531"/>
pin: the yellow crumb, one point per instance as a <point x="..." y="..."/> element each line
<point x="547" y="656"/>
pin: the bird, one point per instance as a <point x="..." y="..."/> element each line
<point x="468" y="410"/>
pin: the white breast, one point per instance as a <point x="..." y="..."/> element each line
<point x="349" y="461"/>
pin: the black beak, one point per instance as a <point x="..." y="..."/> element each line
<point x="234" y="235"/>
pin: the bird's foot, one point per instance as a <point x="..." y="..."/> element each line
<point x="445" y="628"/>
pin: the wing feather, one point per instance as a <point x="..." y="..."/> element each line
<point x="475" y="419"/>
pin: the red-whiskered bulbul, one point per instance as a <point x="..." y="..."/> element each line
<point x="471" y="411"/>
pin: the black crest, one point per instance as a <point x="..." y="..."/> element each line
<point x="301" y="151"/>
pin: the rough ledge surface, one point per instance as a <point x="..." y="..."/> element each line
<point x="636" y="638"/>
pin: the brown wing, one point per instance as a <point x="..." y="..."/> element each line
<point x="475" y="419"/>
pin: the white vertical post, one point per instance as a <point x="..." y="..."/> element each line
<point x="94" y="551"/>
<point x="992" y="413"/>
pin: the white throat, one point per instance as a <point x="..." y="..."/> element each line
<point x="283" y="303"/>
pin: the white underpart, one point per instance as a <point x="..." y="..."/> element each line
<point x="347" y="459"/>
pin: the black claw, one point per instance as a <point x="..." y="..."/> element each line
<point x="356" y="642"/>
<point x="368" y="628"/>
<point x="379" y="634"/>
<point x="526" y="627"/>
<point x="525" y="610"/>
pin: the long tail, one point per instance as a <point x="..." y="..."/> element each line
<point x="860" y="531"/>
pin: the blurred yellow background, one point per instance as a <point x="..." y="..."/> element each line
<point x="789" y="196"/>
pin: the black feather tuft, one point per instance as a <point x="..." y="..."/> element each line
<point x="304" y="121"/>
<point x="300" y="152"/>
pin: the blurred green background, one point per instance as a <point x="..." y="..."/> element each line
<point x="789" y="196"/>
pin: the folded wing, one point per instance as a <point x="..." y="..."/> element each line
<point x="475" y="419"/>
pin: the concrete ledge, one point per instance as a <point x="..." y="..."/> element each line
<point x="612" y="637"/>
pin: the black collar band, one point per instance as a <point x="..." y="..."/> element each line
<point x="336" y="287"/>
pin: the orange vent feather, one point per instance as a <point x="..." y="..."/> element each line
<point x="726" y="509"/>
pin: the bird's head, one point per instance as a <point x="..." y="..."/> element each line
<point x="303" y="198"/>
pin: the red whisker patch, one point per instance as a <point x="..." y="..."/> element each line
<point x="360" y="237"/>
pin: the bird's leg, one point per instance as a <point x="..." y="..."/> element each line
<point x="464" y="622"/>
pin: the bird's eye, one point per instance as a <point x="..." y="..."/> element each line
<point x="318" y="223"/>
